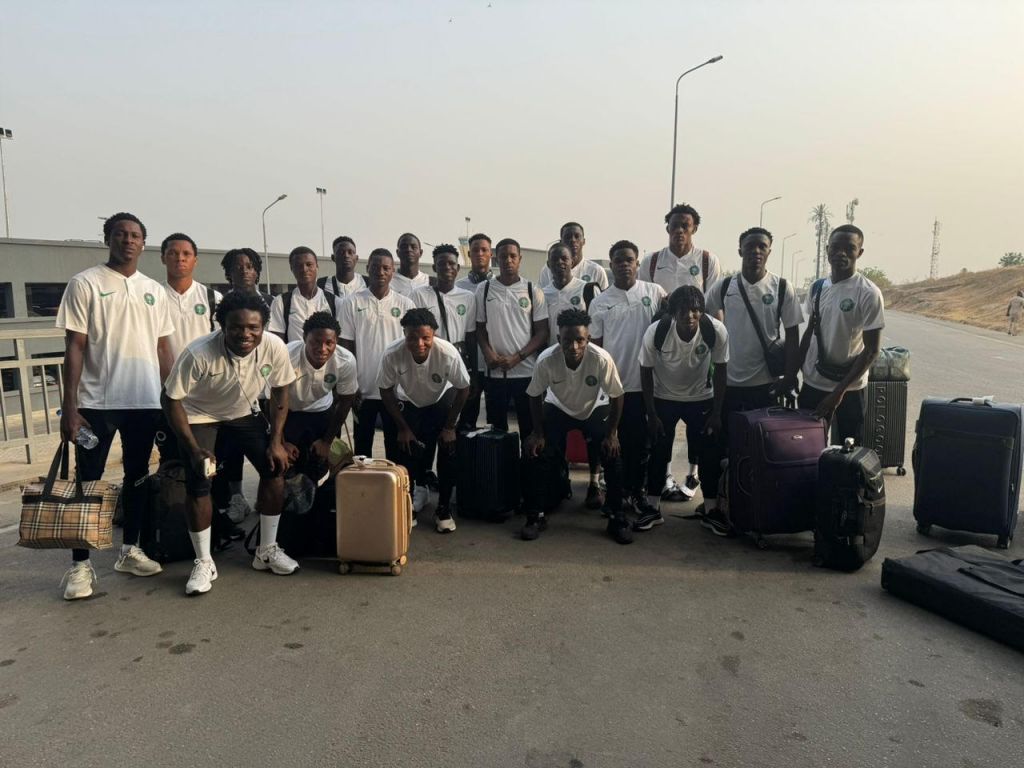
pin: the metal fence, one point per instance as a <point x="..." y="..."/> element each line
<point x="31" y="386"/>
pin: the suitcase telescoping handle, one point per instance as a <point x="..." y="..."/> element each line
<point x="365" y="462"/>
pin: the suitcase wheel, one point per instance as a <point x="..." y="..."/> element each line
<point x="761" y="542"/>
<point x="924" y="528"/>
<point x="901" y="471"/>
<point x="1004" y="542"/>
<point x="403" y="560"/>
<point x="396" y="570"/>
<point x="344" y="568"/>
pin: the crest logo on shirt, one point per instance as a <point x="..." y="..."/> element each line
<point x="524" y="302"/>
<point x="701" y="350"/>
<point x="395" y="311"/>
<point x="149" y="299"/>
<point x="768" y="299"/>
<point x="329" y="379"/>
<point x="694" y="270"/>
<point x="575" y="300"/>
<point x="461" y="309"/>
<point x="646" y="301"/>
<point x="846" y="305"/>
<point x="591" y="381"/>
<point x="200" y="309"/>
<point x="265" y="370"/>
<point x="436" y="378"/>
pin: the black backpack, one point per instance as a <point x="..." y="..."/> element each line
<point x="707" y="335"/>
<point x="286" y="307"/>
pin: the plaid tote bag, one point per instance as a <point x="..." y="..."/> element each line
<point x="67" y="514"/>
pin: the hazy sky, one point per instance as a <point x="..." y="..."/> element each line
<point x="521" y="115"/>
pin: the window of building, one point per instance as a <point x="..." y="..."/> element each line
<point x="43" y="299"/>
<point x="6" y="300"/>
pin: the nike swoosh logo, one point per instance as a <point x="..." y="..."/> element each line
<point x="211" y="375"/>
<point x="107" y="293"/>
<point x="360" y="309"/>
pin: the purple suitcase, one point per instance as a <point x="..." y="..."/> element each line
<point x="773" y="470"/>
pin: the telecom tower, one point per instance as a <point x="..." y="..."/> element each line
<point x="935" y="251"/>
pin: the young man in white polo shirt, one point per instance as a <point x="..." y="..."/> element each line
<point x="408" y="276"/>
<point x="846" y="320"/>
<point x="321" y="396"/>
<point x="370" y="320"/>
<point x="620" y="317"/>
<point x="453" y="307"/>
<point x="566" y="291"/>
<point x="511" y="327"/>
<point x="290" y="310"/>
<point x="479" y="272"/>
<point x="191" y="303"/>
<point x="424" y="384"/>
<point x="117" y="351"/>
<point x="214" y="387"/>
<point x="571" y="236"/>
<point x="242" y="269"/>
<point x="676" y="355"/>
<point x="574" y="386"/>
<point x="345" y="281"/>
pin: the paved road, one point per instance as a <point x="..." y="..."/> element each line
<point x="680" y="650"/>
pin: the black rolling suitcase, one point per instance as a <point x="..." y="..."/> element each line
<point x="978" y="589"/>
<point x="886" y="417"/>
<point x="967" y="466"/>
<point x="850" y="509"/>
<point x="487" y="481"/>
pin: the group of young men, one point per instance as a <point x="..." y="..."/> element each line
<point x="214" y="378"/>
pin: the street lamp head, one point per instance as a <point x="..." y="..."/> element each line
<point x="281" y="197"/>
<point x="716" y="59"/>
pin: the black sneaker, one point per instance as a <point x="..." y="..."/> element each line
<point x="647" y="516"/>
<point x="618" y="528"/>
<point x="531" y="530"/>
<point x="595" y="497"/>
<point x="443" y="521"/>
<point x="542" y="522"/>
<point x="716" y="522"/>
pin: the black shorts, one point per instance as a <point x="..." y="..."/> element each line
<point x="247" y="434"/>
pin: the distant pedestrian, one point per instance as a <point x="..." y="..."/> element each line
<point x="1015" y="311"/>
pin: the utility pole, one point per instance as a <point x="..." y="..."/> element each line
<point x="322" y="193"/>
<point x="934" y="273"/>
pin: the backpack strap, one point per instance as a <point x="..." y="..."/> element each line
<point x="332" y="304"/>
<point x="337" y="288"/>
<point x="589" y="291"/>
<point x="286" y="309"/>
<point x="754" y="320"/>
<point x="704" y="267"/>
<point x="812" y="324"/>
<point x="707" y="331"/>
<point x="529" y="290"/>
<point x="725" y="290"/>
<point x="211" y="303"/>
<point x="487" y="288"/>
<point x="661" y="332"/>
<point x="443" y="310"/>
<point x="321" y="282"/>
<point x="654" y="264"/>
<point x="782" y="298"/>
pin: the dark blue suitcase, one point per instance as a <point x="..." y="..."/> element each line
<point x="967" y="466"/>
<point x="487" y="475"/>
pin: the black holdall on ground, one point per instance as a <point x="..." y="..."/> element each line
<point x="164" y="535"/>
<point x="967" y="466"/>
<point x="979" y="589"/>
<point x="487" y="481"/>
<point x="850" y="508"/>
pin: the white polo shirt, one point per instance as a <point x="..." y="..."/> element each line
<point x="681" y="367"/>
<point x="422" y="384"/>
<point x="747" y="367"/>
<point x="123" y="317"/>
<point x="214" y="385"/>
<point x="673" y="272"/>
<point x="335" y="287"/>
<point x="576" y="392"/>
<point x="569" y="297"/>
<point x="587" y="271"/>
<point x="372" y="324"/>
<point x="460" y="305"/>
<point x="406" y="286"/>
<point x="506" y="310"/>
<point x="313" y="389"/>
<point x="191" y="314"/>
<point x="620" y="318"/>
<point x="848" y="308"/>
<point x="301" y="309"/>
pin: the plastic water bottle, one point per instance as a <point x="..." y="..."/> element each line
<point x="86" y="438"/>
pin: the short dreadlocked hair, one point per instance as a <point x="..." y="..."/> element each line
<point x="228" y="262"/>
<point x="108" y="225"/>
<point x="446" y="248"/>
<point x="569" y="318"/>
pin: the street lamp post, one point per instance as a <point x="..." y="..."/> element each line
<point x="770" y="200"/>
<point x="782" y="263"/>
<point x="796" y="268"/>
<point x="322" y="193"/>
<point x="6" y="134"/>
<point x="266" y="253"/>
<point x="467" y="227"/>
<point x="675" y="125"/>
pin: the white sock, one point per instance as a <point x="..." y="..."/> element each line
<point x="693" y="470"/>
<point x="654" y="501"/>
<point x="201" y="543"/>
<point x="235" y="487"/>
<point x="595" y="478"/>
<point x="268" y="530"/>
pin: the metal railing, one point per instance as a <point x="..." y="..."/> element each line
<point x="37" y="391"/>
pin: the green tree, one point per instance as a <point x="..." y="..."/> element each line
<point x="1011" y="259"/>
<point x="876" y="276"/>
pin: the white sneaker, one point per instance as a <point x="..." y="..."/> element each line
<point x="136" y="562"/>
<point x="204" y="573"/>
<point x="420" y="495"/>
<point x="78" y="580"/>
<point x="273" y="558"/>
<point x="238" y="508"/>
<point x="443" y="521"/>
